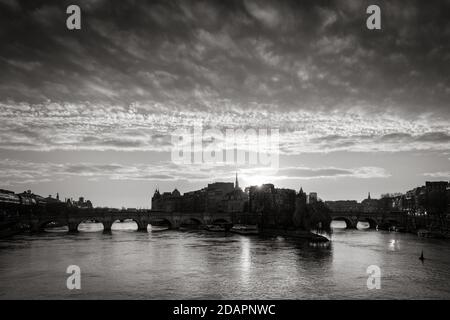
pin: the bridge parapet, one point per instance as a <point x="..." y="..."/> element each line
<point x="374" y="219"/>
<point x="72" y="217"/>
<point x="176" y="219"/>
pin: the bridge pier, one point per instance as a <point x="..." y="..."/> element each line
<point x="107" y="226"/>
<point x="73" y="227"/>
<point x="142" y="227"/>
<point x="351" y="223"/>
<point x="34" y="226"/>
<point x="175" y="224"/>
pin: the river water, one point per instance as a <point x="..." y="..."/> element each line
<point x="126" y="264"/>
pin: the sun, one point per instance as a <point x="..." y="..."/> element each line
<point x="256" y="180"/>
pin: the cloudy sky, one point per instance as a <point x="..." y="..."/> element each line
<point x="91" y="112"/>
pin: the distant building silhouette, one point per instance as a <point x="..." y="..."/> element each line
<point x="216" y="197"/>
<point x="81" y="203"/>
<point x="50" y="199"/>
<point x="312" y="198"/>
<point x="284" y="208"/>
<point x="432" y="198"/>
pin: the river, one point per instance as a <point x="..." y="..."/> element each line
<point x="126" y="264"/>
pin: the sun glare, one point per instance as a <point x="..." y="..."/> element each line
<point x="256" y="180"/>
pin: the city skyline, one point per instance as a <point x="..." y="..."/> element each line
<point x="91" y="111"/>
<point x="237" y="185"/>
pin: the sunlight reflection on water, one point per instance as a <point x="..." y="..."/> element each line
<point x="128" y="264"/>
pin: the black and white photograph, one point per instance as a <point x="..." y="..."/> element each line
<point x="224" y="150"/>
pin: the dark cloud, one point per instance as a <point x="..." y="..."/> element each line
<point x="137" y="71"/>
<point x="398" y="136"/>
<point x="22" y="172"/>
<point x="434" y="137"/>
<point x="197" y="54"/>
<point x="309" y="173"/>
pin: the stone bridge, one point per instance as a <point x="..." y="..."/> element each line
<point x="380" y="219"/>
<point x="173" y="220"/>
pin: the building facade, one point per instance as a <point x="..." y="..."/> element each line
<point x="216" y="197"/>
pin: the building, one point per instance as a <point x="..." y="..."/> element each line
<point x="260" y="196"/>
<point x="312" y="198"/>
<point x="167" y="202"/>
<point x="215" y="193"/>
<point x="216" y="197"/>
<point x="235" y="201"/>
<point x="433" y="196"/>
<point x="447" y="192"/>
<point x="50" y="199"/>
<point x="286" y="209"/>
<point x="370" y="205"/>
<point x="81" y="203"/>
<point x="30" y="198"/>
<point x="344" y="206"/>
<point x="275" y="205"/>
<point x="437" y="186"/>
<point x="8" y="197"/>
<point x="194" y="201"/>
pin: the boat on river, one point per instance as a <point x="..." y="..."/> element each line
<point x="245" y="229"/>
<point x="294" y="233"/>
<point x="215" y="228"/>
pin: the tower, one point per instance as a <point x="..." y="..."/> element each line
<point x="298" y="217"/>
<point x="368" y="197"/>
<point x="236" y="184"/>
<point x="301" y="196"/>
<point x="156" y="199"/>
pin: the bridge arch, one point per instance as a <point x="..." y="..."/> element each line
<point x="42" y="225"/>
<point x="191" y="222"/>
<point x="350" y="224"/>
<point x="74" y="226"/>
<point x="371" y="221"/>
<point x="391" y="223"/>
<point x="159" y="222"/>
<point x="220" y="221"/>
<point x="141" y="225"/>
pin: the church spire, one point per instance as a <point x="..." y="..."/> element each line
<point x="236" y="184"/>
<point x="368" y="197"/>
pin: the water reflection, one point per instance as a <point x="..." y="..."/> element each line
<point x="117" y="226"/>
<point x="90" y="227"/>
<point x="200" y="264"/>
<point x="340" y="224"/>
<point x="363" y="225"/>
<point x="127" y="225"/>
<point x="394" y="245"/>
<point x="57" y="229"/>
<point x="245" y="258"/>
